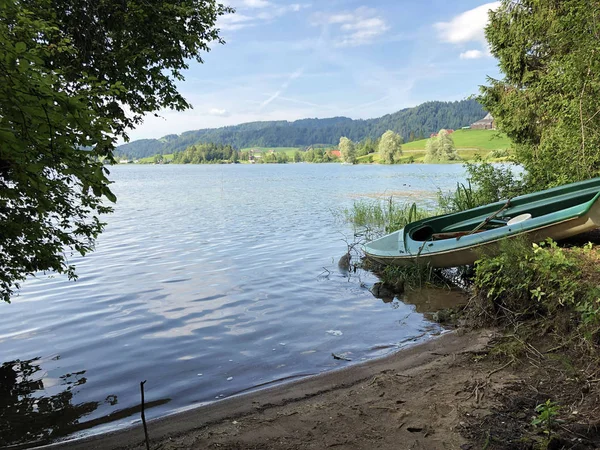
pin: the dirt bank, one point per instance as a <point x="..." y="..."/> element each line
<point x="448" y="393"/>
<point x="417" y="397"/>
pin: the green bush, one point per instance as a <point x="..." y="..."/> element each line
<point x="523" y="280"/>
<point x="528" y="278"/>
<point x="499" y="153"/>
<point x="486" y="183"/>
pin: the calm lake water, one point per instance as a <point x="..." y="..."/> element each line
<point x="209" y="281"/>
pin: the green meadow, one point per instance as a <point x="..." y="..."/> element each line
<point x="150" y="159"/>
<point x="289" y="151"/>
<point x="469" y="139"/>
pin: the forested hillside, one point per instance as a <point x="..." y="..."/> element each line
<point x="410" y="123"/>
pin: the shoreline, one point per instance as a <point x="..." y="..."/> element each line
<point x="175" y="430"/>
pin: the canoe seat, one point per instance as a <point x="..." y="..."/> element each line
<point x="518" y="219"/>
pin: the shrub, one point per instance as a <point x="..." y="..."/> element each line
<point x="499" y="153"/>
<point x="527" y="278"/>
<point x="523" y="280"/>
<point x="486" y="183"/>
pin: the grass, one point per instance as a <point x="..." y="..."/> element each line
<point x="418" y="156"/>
<point x="150" y="159"/>
<point x="475" y="140"/>
<point x="289" y="151"/>
<point x="373" y="218"/>
<point x="470" y="144"/>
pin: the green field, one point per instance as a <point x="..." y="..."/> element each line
<point x="469" y="139"/>
<point x="289" y="151"/>
<point x="150" y="159"/>
<point x="417" y="156"/>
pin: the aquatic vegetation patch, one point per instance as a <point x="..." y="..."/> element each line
<point x="374" y="218"/>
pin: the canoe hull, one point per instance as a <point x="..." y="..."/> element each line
<point x="469" y="254"/>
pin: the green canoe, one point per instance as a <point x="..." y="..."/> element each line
<point x="455" y="239"/>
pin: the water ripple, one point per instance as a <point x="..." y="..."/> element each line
<point x="206" y="283"/>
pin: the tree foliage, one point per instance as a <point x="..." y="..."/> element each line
<point x="77" y="75"/>
<point x="390" y="147"/>
<point x="441" y="148"/>
<point x="347" y="150"/>
<point x="367" y="146"/>
<point x="548" y="101"/>
<point x="318" y="155"/>
<point x="273" y="158"/>
<point x="206" y="154"/>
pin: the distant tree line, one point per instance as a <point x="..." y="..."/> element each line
<point x="389" y="146"/>
<point x="410" y="123"/>
<point x="206" y="154"/>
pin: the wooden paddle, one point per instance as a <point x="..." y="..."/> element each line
<point x="487" y="220"/>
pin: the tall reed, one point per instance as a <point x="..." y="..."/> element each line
<point x="374" y="218"/>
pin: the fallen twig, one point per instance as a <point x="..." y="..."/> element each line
<point x="144" y="416"/>
<point x="325" y="269"/>
<point x="343" y="358"/>
<point x="500" y="368"/>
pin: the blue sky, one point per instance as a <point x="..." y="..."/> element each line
<point x="286" y="60"/>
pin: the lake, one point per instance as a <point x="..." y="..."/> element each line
<point x="209" y="281"/>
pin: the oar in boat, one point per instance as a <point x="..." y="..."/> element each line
<point x="487" y="220"/>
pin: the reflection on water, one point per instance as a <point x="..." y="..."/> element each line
<point x="29" y="412"/>
<point x="429" y="299"/>
<point x="208" y="281"/>
<point x="37" y="409"/>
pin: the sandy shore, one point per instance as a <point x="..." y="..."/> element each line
<point x="415" y="398"/>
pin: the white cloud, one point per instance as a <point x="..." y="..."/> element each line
<point x="466" y="27"/>
<point x="359" y="27"/>
<point x="255" y="3"/>
<point x="472" y="54"/>
<point x="235" y="21"/>
<point x="339" y="18"/>
<point x="250" y="18"/>
<point x="278" y="11"/>
<point x="218" y="112"/>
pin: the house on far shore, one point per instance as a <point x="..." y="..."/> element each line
<point x="487" y="123"/>
<point x="336" y="153"/>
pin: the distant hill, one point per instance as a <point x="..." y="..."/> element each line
<point x="415" y="123"/>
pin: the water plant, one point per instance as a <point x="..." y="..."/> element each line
<point x="412" y="276"/>
<point x="373" y="218"/>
